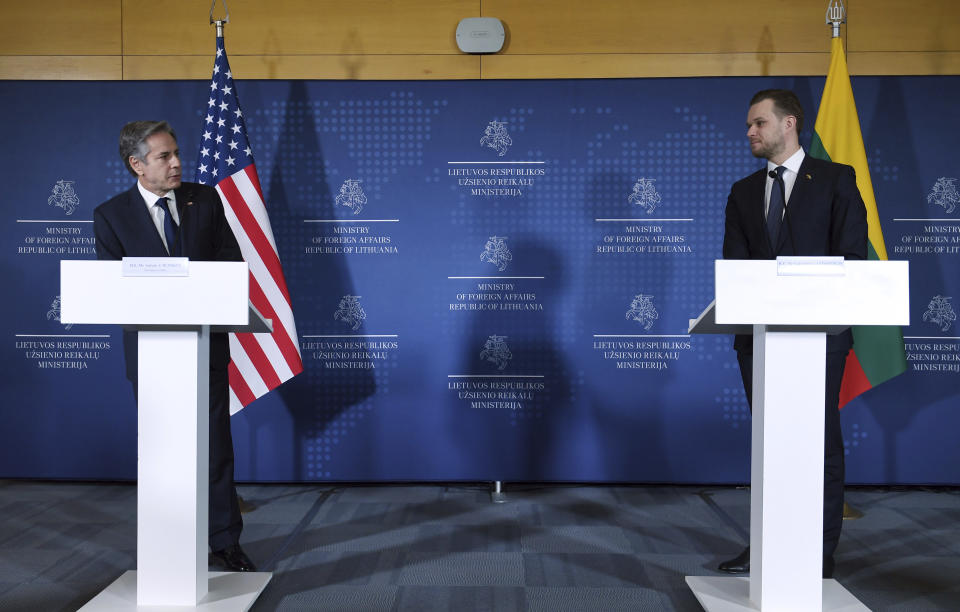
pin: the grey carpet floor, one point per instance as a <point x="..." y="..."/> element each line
<point x="436" y="547"/>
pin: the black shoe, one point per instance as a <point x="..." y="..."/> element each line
<point x="738" y="565"/>
<point x="234" y="559"/>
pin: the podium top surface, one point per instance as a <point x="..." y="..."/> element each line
<point x="853" y="293"/>
<point x="212" y="293"/>
<point x="706" y="323"/>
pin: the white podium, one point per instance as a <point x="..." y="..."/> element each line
<point x="174" y="316"/>
<point x="789" y="306"/>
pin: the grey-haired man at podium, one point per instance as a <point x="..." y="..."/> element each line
<point x="796" y="205"/>
<point x="163" y="216"/>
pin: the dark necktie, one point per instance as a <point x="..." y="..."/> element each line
<point x="169" y="227"/>
<point x="777" y="203"/>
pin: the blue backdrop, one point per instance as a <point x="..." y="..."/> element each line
<point x="491" y="280"/>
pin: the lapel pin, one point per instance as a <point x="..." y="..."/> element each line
<point x="807" y="176"/>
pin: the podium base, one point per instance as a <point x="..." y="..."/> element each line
<point x="227" y="592"/>
<point x="722" y="594"/>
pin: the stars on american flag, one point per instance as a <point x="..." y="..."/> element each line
<point x="225" y="148"/>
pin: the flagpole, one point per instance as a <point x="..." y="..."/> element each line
<point x="245" y="506"/>
<point x="837" y="15"/>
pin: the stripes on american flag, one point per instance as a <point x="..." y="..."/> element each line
<point x="259" y="362"/>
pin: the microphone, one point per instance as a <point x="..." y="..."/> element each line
<point x="786" y="209"/>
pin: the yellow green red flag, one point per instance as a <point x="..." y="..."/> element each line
<point x="878" y="353"/>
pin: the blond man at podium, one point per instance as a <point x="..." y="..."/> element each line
<point x="796" y="205"/>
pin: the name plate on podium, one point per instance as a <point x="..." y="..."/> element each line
<point x="155" y="266"/>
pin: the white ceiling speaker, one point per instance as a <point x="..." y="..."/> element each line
<point x="480" y="35"/>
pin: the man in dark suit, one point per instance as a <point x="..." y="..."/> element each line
<point x="796" y="205"/>
<point x="161" y="216"/>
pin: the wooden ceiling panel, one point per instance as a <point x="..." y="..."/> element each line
<point x="61" y="67"/>
<point x="646" y="65"/>
<point x="297" y="27"/>
<point x="654" y="26"/>
<point x="60" y="27"/>
<point x="373" y="68"/>
<point x="895" y="25"/>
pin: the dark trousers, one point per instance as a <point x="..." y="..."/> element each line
<point x="224" y="520"/>
<point x="833" y="464"/>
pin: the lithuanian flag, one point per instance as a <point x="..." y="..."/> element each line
<point x="878" y="354"/>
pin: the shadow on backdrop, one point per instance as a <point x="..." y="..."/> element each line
<point x="891" y="133"/>
<point x="298" y="190"/>
<point x="511" y="432"/>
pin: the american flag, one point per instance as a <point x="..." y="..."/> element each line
<point x="258" y="362"/>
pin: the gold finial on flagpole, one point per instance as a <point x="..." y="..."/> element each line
<point x="836" y="15"/>
<point x="219" y="22"/>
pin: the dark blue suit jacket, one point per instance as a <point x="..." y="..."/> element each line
<point x="826" y="216"/>
<point x="123" y="228"/>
